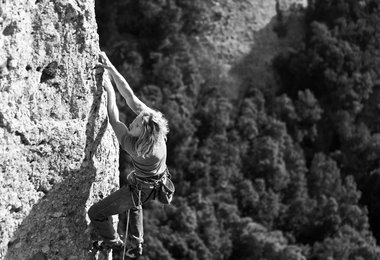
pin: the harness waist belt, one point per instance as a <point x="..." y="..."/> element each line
<point x="151" y="178"/>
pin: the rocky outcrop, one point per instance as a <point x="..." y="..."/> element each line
<point x="57" y="152"/>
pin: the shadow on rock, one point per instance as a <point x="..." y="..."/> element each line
<point x="57" y="226"/>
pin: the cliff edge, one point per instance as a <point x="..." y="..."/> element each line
<point x="57" y="152"/>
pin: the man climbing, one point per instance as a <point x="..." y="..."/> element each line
<point x="145" y="141"/>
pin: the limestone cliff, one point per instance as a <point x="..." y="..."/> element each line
<point x="57" y="152"/>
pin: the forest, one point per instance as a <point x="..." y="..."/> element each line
<point x="290" y="172"/>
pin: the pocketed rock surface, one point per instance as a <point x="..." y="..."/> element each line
<point x="58" y="154"/>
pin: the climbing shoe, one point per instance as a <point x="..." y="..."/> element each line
<point x="108" y="244"/>
<point x="134" y="252"/>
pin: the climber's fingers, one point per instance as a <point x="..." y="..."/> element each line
<point x="102" y="65"/>
<point x="104" y="59"/>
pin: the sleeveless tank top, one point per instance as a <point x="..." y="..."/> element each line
<point x="152" y="164"/>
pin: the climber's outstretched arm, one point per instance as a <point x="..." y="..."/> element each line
<point x="122" y="85"/>
<point x="119" y="128"/>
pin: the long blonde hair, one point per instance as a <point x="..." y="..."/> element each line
<point x="155" y="129"/>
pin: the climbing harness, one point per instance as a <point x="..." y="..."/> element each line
<point x="161" y="186"/>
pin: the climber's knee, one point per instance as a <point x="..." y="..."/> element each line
<point x="92" y="213"/>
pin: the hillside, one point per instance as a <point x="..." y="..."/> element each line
<point x="244" y="36"/>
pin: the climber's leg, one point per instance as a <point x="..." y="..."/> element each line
<point x="136" y="226"/>
<point x="101" y="213"/>
<point x="123" y="181"/>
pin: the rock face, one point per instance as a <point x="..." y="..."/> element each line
<point x="58" y="154"/>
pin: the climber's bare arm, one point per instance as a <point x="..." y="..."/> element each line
<point x="119" y="128"/>
<point x="122" y="85"/>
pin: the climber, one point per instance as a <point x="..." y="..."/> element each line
<point x="145" y="142"/>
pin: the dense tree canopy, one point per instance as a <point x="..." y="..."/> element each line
<point x="292" y="174"/>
